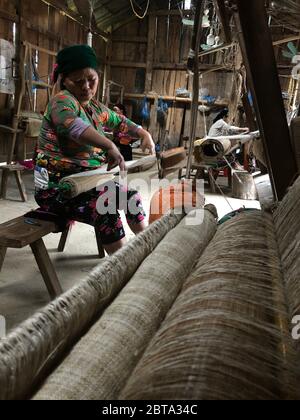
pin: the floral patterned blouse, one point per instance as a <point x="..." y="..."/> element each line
<point x="58" y="151"/>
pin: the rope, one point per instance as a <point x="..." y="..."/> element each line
<point x="203" y="112"/>
<point x="231" y="167"/>
<point x="135" y="12"/>
<point x="224" y="196"/>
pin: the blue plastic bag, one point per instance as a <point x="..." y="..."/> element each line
<point x="145" y="112"/>
<point x="162" y="111"/>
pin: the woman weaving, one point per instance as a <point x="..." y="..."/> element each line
<point x="72" y="141"/>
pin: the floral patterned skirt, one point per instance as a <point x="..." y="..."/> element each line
<point x="98" y="208"/>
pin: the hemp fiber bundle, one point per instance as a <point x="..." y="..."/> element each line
<point x="75" y="185"/>
<point x="287" y="225"/>
<point x="100" y="364"/>
<point x="226" y="336"/>
<point x="32" y="348"/>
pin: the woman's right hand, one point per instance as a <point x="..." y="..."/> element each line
<point x="115" y="159"/>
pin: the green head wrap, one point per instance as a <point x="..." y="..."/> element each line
<point x="75" y="58"/>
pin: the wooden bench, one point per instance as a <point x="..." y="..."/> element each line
<point x="23" y="231"/>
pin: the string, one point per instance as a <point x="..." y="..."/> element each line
<point x="135" y="12"/>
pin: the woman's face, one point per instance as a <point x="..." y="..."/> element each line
<point x="83" y="84"/>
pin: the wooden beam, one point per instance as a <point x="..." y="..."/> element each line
<point x="286" y="40"/>
<point x="198" y="30"/>
<point x="220" y="102"/>
<point x="213" y="70"/>
<point x="169" y="66"/>
<point x="8" y="16"/>
<point x="224" y="19"/>
<point x="60" y="5"/>
<point x="130" y="39"/>
<point x="40" y="49"/>
<point x="172" y="12"/>
<point x="128" y="64"/>
<point x="252" y="26"/>
<point x="214" y="50"/>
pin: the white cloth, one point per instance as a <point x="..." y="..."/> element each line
<point x="221" y="128"/>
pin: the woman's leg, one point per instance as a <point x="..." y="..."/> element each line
<point x="139" y="227"/>
<point x="126" y="152"/>
<point x="135" y="215"/>
<point x="84" y="209"/>
<point x="114" y="247"/>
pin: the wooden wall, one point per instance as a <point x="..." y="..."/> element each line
<point x="167" y="49"/>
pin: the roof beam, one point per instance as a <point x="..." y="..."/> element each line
<point x="60" y="5"/>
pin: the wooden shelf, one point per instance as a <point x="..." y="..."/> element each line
<point x="220" y="102"/>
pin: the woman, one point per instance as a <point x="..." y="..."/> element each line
<point x="72" y="141"/>
<point x="221" y="127"/>
<point x="123" y="140"/>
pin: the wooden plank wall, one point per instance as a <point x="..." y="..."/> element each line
<point x="171" y="49"/>
<point x="48" y="28"/>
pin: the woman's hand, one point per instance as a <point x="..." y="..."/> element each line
<point x="115" y="159"/>
<point x="148" y="143"/>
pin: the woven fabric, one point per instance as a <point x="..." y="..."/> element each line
<point x="100" y="364"/>
<point x="74" y="186"/>
<point x="30" y="350"/>
<point x="226" y="336"/>
<point x="286" y="219"/>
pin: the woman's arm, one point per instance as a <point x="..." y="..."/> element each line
<point x="92" y="138"/>
<point x="126" y="126"/>
<point x="238" y="129"/>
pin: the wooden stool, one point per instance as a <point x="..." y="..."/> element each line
<point x="20" y="232"/>
<point x="12" y="134"/>
<point x="66" y="235"/>
<point x="17" y="171"/>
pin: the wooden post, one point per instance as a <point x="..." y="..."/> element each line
<point x="195" y="101"/>
<point x="150" y="52"/>
<point x="224" y="17"/>
<point x="107" y="71"/>
<point x="256" y="43"/>
<point x="64" y="239"/>
<point x="251" y="123"/>
<point x="21" y="186"/>
<point x="101" y="250"/>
